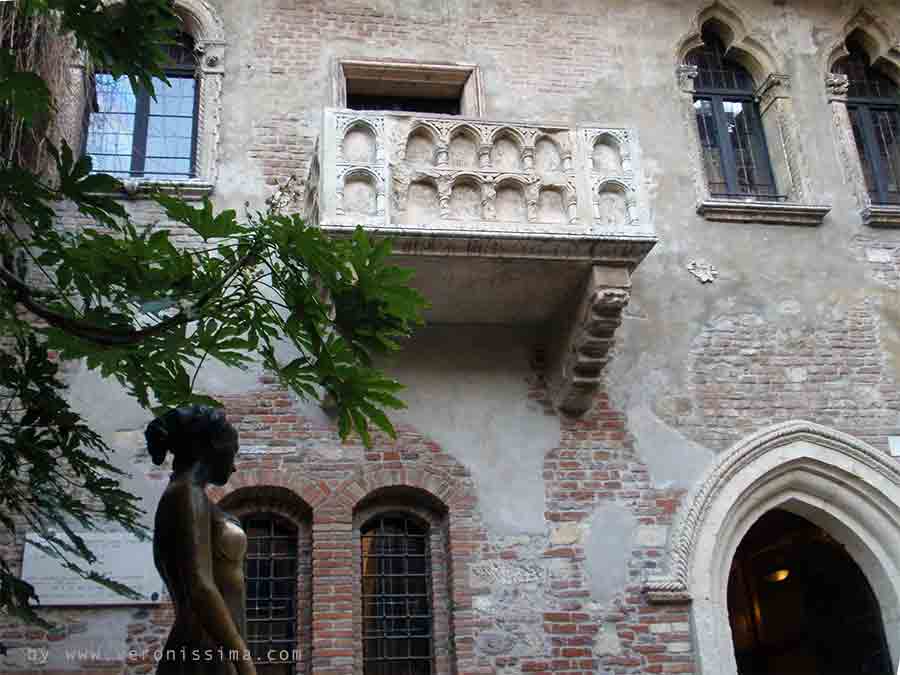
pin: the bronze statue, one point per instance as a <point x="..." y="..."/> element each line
<point x="198" y="549"/>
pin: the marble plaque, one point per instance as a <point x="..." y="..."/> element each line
<point x="120" y="557"/>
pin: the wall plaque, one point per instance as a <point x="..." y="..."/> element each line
<point x="120" y="556"/>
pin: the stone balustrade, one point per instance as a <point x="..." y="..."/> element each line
<point x="433" y="173"/>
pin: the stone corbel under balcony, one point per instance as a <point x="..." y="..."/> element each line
<point x="769" y="213"/>
<point x="586" y="337"/>
<point x="881" y="215"/>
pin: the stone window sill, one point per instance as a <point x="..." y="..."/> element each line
<point x="881" y="215"/>
<point x="190" y="190"/>
<point x="771" y="213"/>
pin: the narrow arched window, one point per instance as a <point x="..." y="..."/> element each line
<point x="873" y="102"/>
<point x="735" y="156"/>
<point x="132" y="135"/>
<point x="271" y="579"/>
<point x="396" y="596"/>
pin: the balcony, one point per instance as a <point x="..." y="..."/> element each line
<point x="504" y="222"/>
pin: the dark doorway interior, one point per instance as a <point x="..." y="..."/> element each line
<point x="799" y="605"/>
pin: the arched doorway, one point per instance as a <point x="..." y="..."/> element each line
<point x="798" y="604"/>
<point x="848" y="489"/>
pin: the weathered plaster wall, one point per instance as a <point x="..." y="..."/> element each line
<point x="567" y="516"/>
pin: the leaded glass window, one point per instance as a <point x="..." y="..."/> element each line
<point x="735" y="156"/>
<point x="396" y="596"/>
<point x="271" y="579"/>
<point x="132" y="135"/>
<point x="873" y="102"/>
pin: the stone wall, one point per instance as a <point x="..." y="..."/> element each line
<point x="551" y="524"/>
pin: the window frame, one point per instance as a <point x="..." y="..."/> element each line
<point x="142" y="115"/>
<point x="865" y="108"/>
<point x="463" y="75"/>
<point x="717" y="98"/>
<point x="856" y="153"/>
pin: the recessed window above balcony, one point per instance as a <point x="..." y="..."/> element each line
<point x="438" y="88"/>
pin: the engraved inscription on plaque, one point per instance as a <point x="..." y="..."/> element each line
<point x="120" y="557"/>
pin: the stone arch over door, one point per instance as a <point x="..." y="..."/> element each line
<point x="846" y="487"/>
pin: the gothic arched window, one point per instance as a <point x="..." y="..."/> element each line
<point x="271" y="578"/>
<point x="132" y="135"/>
<point x="396" y="596"/>
<point x="735" y="156"/>
<point x="873" y="102"/>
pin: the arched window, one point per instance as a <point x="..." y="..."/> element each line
<point x="396" y="596"/>
<point x="873" y="103"/>
<point x="271" y="578"/>
<point x="735" y="156"/>
<point x="132" y="135"/>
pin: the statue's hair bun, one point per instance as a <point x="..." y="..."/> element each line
<point x="159" y="442"/>
<point x="179" y="430"/>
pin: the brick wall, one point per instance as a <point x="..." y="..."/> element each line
<point x="746" y="373"/>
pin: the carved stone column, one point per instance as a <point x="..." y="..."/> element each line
<point x="484" y="155"/>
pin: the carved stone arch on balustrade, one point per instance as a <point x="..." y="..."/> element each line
<point x="614" y="203"/>
<point x="360" y="143"/>
<point x="422" y="143"/>
<point x="610" y="154"/>
<point x="463" y="143"/>
<point x="510" y="203"/>
<point x="507" y="148"/>
<point x="360" y="192"/>
<point x="751" y="48"/>
<point x="548" y="154"/>
<point x="551" y="205"/>
<point x="465" y="201"/>
<point x="423" y="199"/>
<point x="877" y="38"/>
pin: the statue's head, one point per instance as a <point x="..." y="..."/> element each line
<point x="194" y="434"/>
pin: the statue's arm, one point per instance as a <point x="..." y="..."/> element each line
<point x="207" y="602"/>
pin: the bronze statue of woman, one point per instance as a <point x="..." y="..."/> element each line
<point x="198" y="549"/>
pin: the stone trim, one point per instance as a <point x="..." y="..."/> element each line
<point x="881" y="215"/>
<point x="189" y="190"/>
<point x="629" y="251"/>
<point x="771" y="213"/>
<point x="674" y="586"/>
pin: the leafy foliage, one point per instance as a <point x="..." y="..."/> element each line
<point x="134" y="307"/>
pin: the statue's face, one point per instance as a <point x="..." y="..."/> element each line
<point x="221" y="458"/>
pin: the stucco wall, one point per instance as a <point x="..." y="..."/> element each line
<point x="567" y="515"/>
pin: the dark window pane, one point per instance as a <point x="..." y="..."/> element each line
<point x="874" y="108"/>
<point x="887" y="130"/>
<point x="714" y="70"/>
<point x="865" y="81"/>
<point x="271" y="591"/>
<point x="748" y="151"/>
<point x="709" y="144"/>
<point x="396" y="597"/>
<point x="440" y="106"/>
